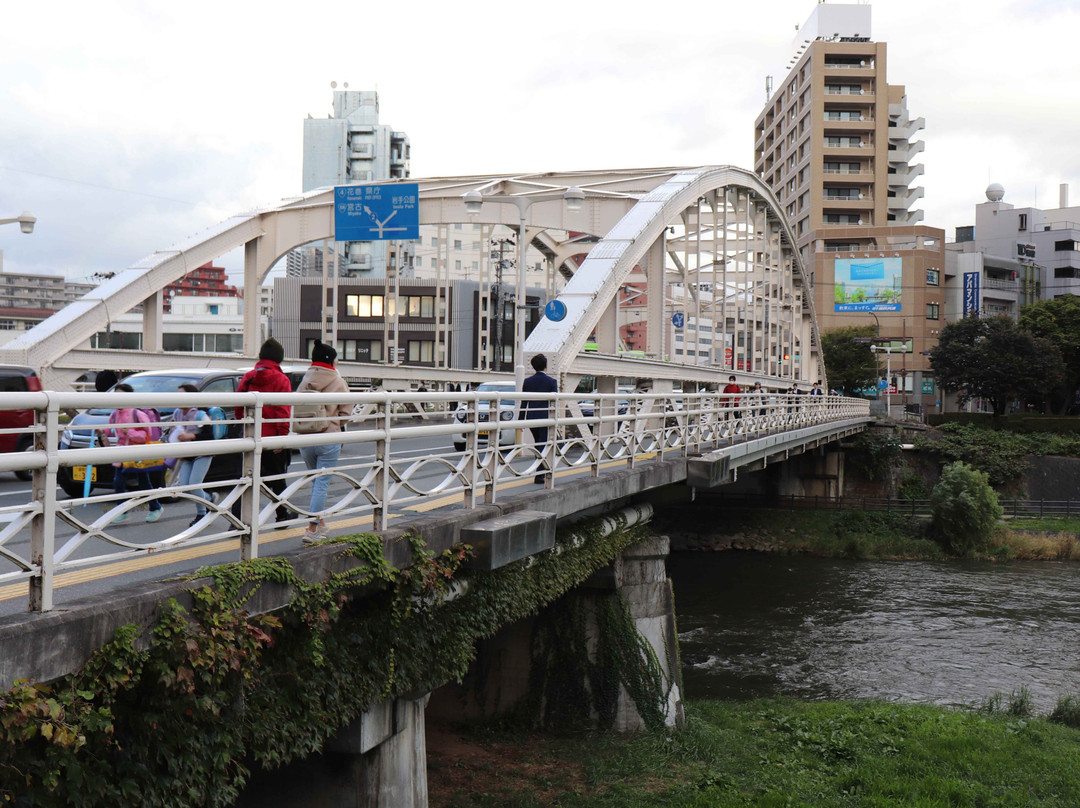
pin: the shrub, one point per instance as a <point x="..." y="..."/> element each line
<point x="1067" y="711"/>
<point x="912" y="487"/>
<point x="965" y="509"/>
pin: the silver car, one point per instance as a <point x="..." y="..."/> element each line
<point x="507" y="412"/>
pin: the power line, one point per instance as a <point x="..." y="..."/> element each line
<point x="102" y="187"/>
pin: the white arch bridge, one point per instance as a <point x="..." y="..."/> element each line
<point x="709" y="244"/>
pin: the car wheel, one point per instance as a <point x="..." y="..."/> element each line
<point x="25" y="444"/>
<point x="459" y="447"/>
<point x="73" y="488"/>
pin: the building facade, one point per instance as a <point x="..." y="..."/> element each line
<point x="836" y="144"/>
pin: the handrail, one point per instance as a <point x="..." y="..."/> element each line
<point x="371" y="482"/>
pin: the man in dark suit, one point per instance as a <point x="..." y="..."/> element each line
<point x="539" y="382"/>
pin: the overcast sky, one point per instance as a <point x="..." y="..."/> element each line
<point x="125" y="126"/>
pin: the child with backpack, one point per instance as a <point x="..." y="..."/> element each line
<point x="196" y="424"/>
<point x="141" y="428"/>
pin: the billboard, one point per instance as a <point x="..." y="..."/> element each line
<point x="867" y="284"/>
<point x="971" y="293"/>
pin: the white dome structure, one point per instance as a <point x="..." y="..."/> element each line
<point x="995" y="192"/>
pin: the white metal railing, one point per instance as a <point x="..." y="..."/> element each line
<point x="379" y="476"/>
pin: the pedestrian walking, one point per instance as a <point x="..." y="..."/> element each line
<point x="268" y="378"/>
<point x="192" y="470"/>
<point x="323" y="377"/>
<point x="539" y="382"/>
<point x="132" y="428"/>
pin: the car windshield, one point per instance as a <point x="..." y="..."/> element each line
<point x="495" y="387"/>
<point x="159" y="384"/>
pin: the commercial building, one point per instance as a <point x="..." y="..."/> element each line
<point x="1014" y="256"/>
<point x="836" y="144"/>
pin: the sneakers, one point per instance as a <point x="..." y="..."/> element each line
<point x="121" y="518"/>
<point x="316" y="531"/>
<point x="154" y="515"/>
<point x="196" y="520"/>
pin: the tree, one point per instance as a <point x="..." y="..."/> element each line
<point x="994" y="359"/>
<point x="965" y="509"/>
<point x="1058" y="320"/>
<point x="849" y="365"/>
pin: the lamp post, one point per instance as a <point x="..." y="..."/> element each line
<point x="25" y="219"/>
<point x="474" y="201"/>
<point x="888" y="375"/>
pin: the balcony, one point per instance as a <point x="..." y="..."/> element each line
<point x="1001" y="285"/>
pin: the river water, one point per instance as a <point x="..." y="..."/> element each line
<point x="956" y="633"/>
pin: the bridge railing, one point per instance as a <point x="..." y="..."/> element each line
<point x="397" y="459"/>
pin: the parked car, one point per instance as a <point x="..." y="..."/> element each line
<point x="588" y="406"/>
<point x="80" y="431"/>
<point x="17" y="379"/>
<point x="507" y="412"/>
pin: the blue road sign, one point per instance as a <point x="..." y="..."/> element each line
<point x="678" y="319"/>
<point x="377" y="212"/>
<point x="555" y="310"/>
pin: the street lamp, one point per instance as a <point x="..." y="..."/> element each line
<point x="888" y="375"/>
<point x="25" y="219"/>
<point x="474" y="201"/>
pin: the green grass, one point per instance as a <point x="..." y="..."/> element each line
<point x="1048" y="524"/>
<point x="790" y="753"/>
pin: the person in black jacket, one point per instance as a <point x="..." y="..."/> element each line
<point x="539" y="382"/>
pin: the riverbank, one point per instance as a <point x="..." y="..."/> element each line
<point x="876" y="535"/>
<point x="770" y="753"/>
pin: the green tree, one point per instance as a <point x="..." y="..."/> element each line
<point x="965" y="509"/>
<point x="994" y="359"/>
<point x="1058" y="321"/>
<point x="849" y="365"/>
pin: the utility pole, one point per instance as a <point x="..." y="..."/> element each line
<point x="500" y="265"/>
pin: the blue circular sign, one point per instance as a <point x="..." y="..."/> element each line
<point x="678" y="319"/>
<point x="555" y="310"/>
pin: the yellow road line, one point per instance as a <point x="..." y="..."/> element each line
<point x="165" y="557"/>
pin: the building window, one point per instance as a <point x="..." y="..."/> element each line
<point x="421" y="350"/>
<point x="364" y="305"/>
<point x="418" y="306"/>
<point x="1022" y="224"/>
<point x="358" y="350"/>
<point x="931" y="311"/>
<point x="1068" y="245"/>
<point x="457" y="244"/>
<point x="933" y="277"/>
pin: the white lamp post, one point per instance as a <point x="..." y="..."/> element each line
<point x="888" y="375"/>
<point x="25" y="219"/>
<point x="474" y="200"/>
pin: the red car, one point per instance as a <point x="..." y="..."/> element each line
<point x="16" y="379"/>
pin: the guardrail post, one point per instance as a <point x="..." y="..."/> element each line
<point x="43" y="522"/>
<point x="379" y="516"/>
<point x="250" y="498"/>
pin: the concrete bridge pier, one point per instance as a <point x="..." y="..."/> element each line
<point x="500" y="678"/>
<point x="377" y="761"/>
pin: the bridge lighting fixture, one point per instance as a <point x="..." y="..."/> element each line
<point x="25" y="219"/>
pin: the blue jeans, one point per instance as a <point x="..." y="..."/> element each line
<point x="320" y="457"/>
<point x="142" y="480"/>
<point x="193" y="472"/>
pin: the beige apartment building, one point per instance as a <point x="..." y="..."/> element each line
<point x="836" y="144"/>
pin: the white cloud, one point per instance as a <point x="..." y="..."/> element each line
<point x="128" y="125"/>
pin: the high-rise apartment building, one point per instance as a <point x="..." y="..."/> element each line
<point x="836" y="144"/>
<point x="351" y="146"/>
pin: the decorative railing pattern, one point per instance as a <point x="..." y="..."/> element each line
<point x="397" y="456"/>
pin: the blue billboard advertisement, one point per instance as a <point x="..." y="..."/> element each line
<point x="971" y="293"/>
<point x="867" y="284"/>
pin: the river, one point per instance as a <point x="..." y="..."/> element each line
<point x="753" y="624"/>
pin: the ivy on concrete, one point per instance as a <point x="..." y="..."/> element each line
<point x="176" y="723"/>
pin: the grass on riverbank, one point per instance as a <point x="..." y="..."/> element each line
<point x="869" y="534"/>
<point x="773" y="753"/>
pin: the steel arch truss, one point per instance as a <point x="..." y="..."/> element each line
<point x="714" y="241"/>
<point x="712" y="238"/>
